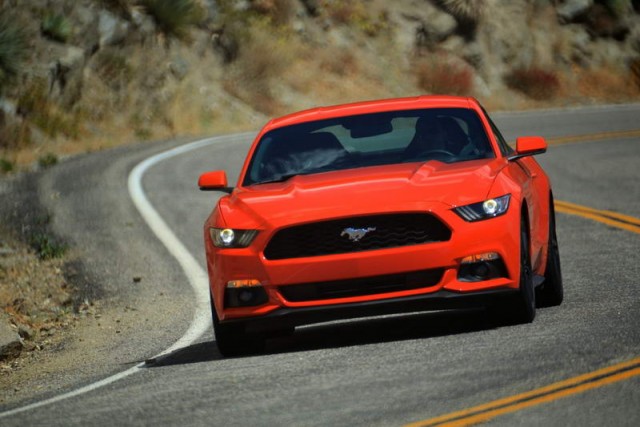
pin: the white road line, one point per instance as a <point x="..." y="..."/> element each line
<point x="197" y="277"/>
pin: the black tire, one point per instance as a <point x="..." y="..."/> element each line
<point x="551" y="293"/>
<point x="521" y="308"/>
<point x="232" y="339"/>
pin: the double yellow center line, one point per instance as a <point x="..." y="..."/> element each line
<point x="552" y="392"/>
<point x="594" y="137"/>
<point x="613" y="219"/>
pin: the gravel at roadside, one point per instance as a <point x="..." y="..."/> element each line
<point x="83" y="281"/>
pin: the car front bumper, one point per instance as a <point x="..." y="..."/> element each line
<point x="497" y="235"/>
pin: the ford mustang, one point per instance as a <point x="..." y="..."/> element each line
<point x="380" y="207"/>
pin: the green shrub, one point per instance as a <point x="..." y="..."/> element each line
<point x="57" y="27"/>
<point x="534" y="82"/>
<point x="47" y="247"/>
<point x="174" y="17"/>
<point x="6" y="166"/>
<point x="47" y="160"/>
<point x="13" y="50"/>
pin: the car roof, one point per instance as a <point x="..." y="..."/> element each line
<point x="366" y="107"/>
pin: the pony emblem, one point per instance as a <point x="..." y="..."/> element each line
<point x="356" y="234"/>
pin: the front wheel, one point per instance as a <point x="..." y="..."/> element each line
<point x="232" y="338"/>
<point x="551" y="292"/>
<point x="521" y="308"/>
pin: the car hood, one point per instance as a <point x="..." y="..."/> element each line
<point x="371" y="190"/>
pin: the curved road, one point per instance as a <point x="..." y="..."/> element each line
<point x="401" y="369"/>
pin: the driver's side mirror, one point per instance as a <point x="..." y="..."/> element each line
<point x="214" y="181"/>
<point x="528" y="146"/>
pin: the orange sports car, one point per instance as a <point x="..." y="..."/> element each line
<point x="381" y="207"/>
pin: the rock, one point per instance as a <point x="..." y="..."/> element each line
<point x="6" y="251"/>
<point x="579" y="49"/>
<point x="10" y="341"/>
<point x="112" y="30"/>
<point x="473" y="54"/>
<point x="210" y="9"/>
<point x="480" y="86"/>
<point x="179" y="68"/>
<point x="435" y="29"/>
<point x="72" y="58"/>
<point x="63" y="70"/>
<point x="601" y="23"/>
<point x="144" y="24"/>
<point x="225" y="41"/>
<point x="25" y="332"/>
<point x="572" y="10"/>
<point x="8" y="107"/>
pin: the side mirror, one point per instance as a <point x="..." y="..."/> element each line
<point x="528" y="146"/>
<point x="214" y="181"/>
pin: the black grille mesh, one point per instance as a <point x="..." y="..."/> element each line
<point x="361" y="287"/>
<point x="330" y="237"/>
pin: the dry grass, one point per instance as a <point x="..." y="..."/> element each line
<point x="437" y="75"/>
<point x="606" y="84"/>
<point x="359" y="15"/>
<point x="34" y="294"/>
<point x="536" y="83"/>
<point x="280" y="12"/>
<point x="344" y="12"/>
<point x="264" y="58"/>
<point x="634" y="67"/>
<point x="35" y="105"/>
<point x="14" y="135"/>
<point x="339" y="61"/>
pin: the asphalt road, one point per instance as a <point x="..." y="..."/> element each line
<point x="383" y="371"/>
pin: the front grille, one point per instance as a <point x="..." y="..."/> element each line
<point x="361" y="287"/>
<point x="332" y="237"/>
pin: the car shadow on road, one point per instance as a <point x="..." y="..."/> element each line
<point x="347" y="334"/>
<point x="382" y="330"/>
<point x="205" y="351"/>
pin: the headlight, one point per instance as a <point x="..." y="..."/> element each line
<point x="229" y="238"/>
<point x="483" y="210"/>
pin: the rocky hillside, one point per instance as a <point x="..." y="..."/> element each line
<point x="80" y="75"/>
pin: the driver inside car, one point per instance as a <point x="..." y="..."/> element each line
<point x="439" y="135"/>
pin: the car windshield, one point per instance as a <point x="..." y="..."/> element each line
<point x="445" y="134"/>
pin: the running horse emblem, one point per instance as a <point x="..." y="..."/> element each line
<point x="356" y="234"/>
